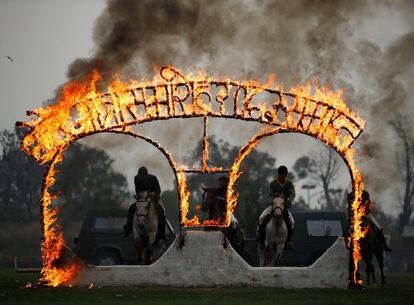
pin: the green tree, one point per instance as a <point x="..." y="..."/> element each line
<point x="405" y="162"/>
<point x="322" y="169"/>
<point x="87" y="180"/>
<point x="258" y="170"/>
<point x="20" y="180"/>
<point x="300" y="205"/>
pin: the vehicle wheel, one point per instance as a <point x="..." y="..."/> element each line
<point x="107" y="258"/>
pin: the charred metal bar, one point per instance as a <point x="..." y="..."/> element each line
<point x="204" y="171"/>
<point x="109" y="117"/>
<point x="204" y="151"/>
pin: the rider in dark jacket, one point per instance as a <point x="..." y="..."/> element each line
<point x="145" y="182"/>
<point x="221" y="193"/>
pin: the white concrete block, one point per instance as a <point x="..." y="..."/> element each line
<point x="203" y="261"/>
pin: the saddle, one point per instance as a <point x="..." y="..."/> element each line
<point x="269" y="217"/>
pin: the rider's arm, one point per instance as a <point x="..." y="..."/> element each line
<point x="136" y="184"/>
<point x="271" y="191"/>
<point x="157" y="188"/>
<point x="292" y="194"/>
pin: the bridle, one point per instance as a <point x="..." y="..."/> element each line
<point x="149" y="204"/>
<point x="276" y="208"/>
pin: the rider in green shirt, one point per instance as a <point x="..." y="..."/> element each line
<point x="279" y="187"/>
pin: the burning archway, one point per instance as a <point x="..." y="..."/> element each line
<point x="83" y="110"/>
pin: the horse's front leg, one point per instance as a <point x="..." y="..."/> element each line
<point x="374" y="281"/>
<point x="138" y="248"/>
<point x="368" y="274"/>
<point x="369" y="270"/>
<point x="382" y="275"/>
<point x="261" y="256"/>
<point x="381" y="266"/>
<point x="149" y="251"/>
<point x="277" y="255"/>
<point x="275" y="258"/>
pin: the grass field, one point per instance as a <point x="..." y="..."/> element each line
<point x="398" y="291"/>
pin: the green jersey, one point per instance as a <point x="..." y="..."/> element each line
<point x="287" y="189"/>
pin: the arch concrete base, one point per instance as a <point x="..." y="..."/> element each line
<point x="199" y="259"/>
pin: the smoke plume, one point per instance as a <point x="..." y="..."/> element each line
<point x="336" y="42"/>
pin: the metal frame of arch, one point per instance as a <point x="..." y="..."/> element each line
<point x="83" y="111"/>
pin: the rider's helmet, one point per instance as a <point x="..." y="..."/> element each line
<point x="142" y="171"/>
<point x="366" y="201"/>
<point x="282" y="171"/>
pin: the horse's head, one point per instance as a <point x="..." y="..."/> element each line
<point x="278" y="205"/>
<point x="208" y="194"/>
<point x="143" y="204"/>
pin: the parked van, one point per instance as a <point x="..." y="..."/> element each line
<point x="315" y="232"/>
<point x="101" y="240"/>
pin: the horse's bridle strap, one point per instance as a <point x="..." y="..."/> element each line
<point x="143" y="215"/>
<point x="274" y="209"/>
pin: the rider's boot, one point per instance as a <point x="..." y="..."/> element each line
<point x="260" y="235"/>
<point x="161" y="229"/>
<point x="162" y="221"/>
<point x="289" y="243"/>
<point x="382" y="241"/>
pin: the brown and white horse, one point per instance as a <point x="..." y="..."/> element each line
<point x="216" y="210"/>
<point x="370" y="247"/>
<point x="145" y="229"/>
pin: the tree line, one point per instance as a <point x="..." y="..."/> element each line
<point x="87" y="180"/>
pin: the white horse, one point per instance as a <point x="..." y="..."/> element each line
<point x="276" y="234"/>
<point x="145" y="229"/>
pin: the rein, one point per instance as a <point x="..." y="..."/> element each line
<point x="274" y="209"/>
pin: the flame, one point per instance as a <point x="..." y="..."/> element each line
<point x="29" y="285"/>
<point x="82" y="109"/>
<point x="52" y="239"/>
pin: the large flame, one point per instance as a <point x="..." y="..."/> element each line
<point x="52" y="237"/>
<point x="83" y="109"/>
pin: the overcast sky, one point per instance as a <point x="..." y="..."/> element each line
<point x="44" y="36"/>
